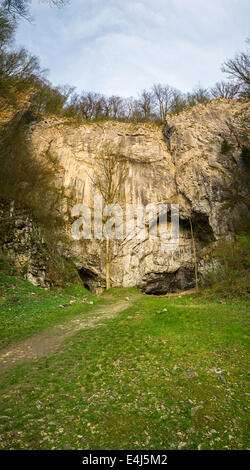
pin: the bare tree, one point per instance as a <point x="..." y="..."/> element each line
<point x="72" y="107"/>
<point x="16" y="8"/>
<point x="238" y="69"/>
<point x="134" y="112"/>
<point x="194" y="255"/>
<point x="162" y="95"/>
<point x="128" y="108"/>
<point x="110" y="172"/>
<point x="51" y="99"/>
<point x="145" y="104"/>
<point x="20" y="65"/>
<point x="178" y="102"/>
<point x="91" y="105"/>
<point x="7" y="29"/>
<point x="20" y="8"/>
<point x="113" y="107"/>
<point x="198" y="95"/>
<point x="225" y="90"/>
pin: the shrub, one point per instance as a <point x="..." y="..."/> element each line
<point x="27" y="179"/>
<point x="6" y="265"/>
<point x="231" y="277"/>
<point x="61" y="271"/>
<point x="30" y="182"/>
<point x="245" y="155"/>
<point x="225" y="146"/>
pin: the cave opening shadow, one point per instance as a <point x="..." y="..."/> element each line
<point x="89" y="278"/>
<point x="166" y="283"/>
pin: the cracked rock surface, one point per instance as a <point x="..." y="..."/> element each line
<point x="180" y="162"/>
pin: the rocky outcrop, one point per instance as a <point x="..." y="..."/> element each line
<point x="21" y="239"/>
<point x="181" y="164"/>
<point x="203" y="172"/>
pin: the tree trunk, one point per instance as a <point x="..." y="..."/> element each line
<point x="107" y="264"/>
<point x="194" y="252"/>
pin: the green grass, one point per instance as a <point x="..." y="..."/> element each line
<point x="26" y="309"/>
<point x="135" y="381"/>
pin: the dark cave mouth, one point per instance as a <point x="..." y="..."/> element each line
<point x="182" y="279"/>
<point x="88" y="278"/>
<point x="165" y="283"/>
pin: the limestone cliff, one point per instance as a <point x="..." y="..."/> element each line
<point x="181" y="163"/>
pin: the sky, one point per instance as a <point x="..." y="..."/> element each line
<point x="119" y="47"/>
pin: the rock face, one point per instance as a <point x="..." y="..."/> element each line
<point x="181" y="163"/>
<point x="21" y="239"/>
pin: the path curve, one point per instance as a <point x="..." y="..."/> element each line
<point x="48" y="341"/>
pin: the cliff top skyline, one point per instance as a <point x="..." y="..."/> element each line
<point x="121" y="47"/>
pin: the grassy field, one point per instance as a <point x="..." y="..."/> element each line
<point x="164" y="373"/>
<point x="26" y="309"/>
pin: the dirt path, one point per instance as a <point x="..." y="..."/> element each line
<point x="181" y="293"/>
<point x="48" y="341"/>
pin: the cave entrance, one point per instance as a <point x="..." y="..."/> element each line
<point x="89" y="279"/>
<point x="165" y="283"/>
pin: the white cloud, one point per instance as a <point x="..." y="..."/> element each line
<point x="122" y="46"/>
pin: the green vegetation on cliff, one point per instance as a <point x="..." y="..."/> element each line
<point x="231" y="274"/>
